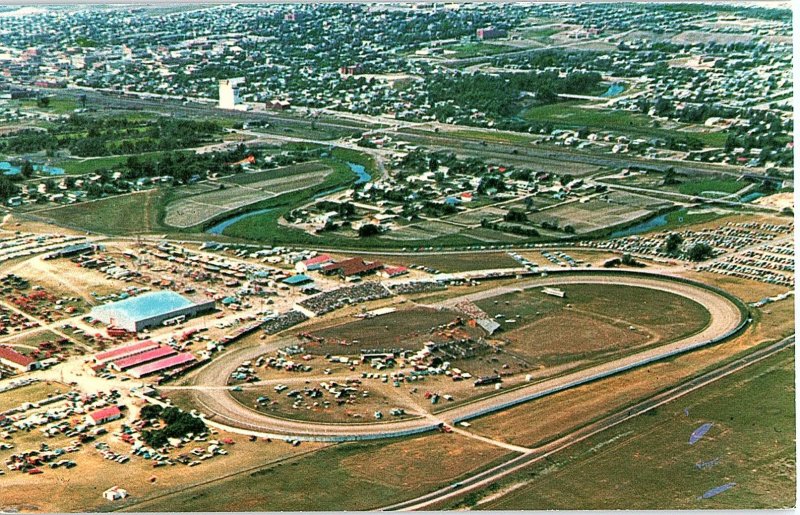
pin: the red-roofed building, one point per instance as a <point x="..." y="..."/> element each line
<point x="163" y="364"/>
<point x="314" y="263"/>
<point x="125" y="351"/>
<point x="393" y="271"/>
<point x="353" y="267"/>
<point x="104" y="415"/>
<point x="141" y="359"/>
<point x="249" y="160"/>
<point x="11" y="358"/>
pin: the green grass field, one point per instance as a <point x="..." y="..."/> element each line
<point x="541" y="32"/>
<point x="466" y="50"/>
<point x="82" y="166"/>
<point x="572" y="115"/>
<point x="31" y="393"/>
<point x="351" y="476"/>
<point x="647" y="462"/>
<point x="56" y="105"/>
<point x="683" y="218"/>
<point x="722" y="185"/>
<point x="599" y="317"/>
<point x="135" y="213"/>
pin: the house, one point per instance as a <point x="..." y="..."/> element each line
<point x="13" y="359"/>
<point x="489" y="33"/>
<point x="104" y="415"/>
<point x="115" y="493"/>
<point x="278" y="105"/>
<point x="314" y="263"/>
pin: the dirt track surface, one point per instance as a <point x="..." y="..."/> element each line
<point x="227" y="413"/>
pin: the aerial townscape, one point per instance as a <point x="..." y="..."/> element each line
<point x="412" y="256"/>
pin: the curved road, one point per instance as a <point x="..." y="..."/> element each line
<point x="226" y="413"/>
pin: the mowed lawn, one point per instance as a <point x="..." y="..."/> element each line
<point x="648" y="463"/>
<point x="592" y="320"/>
<point x="350" y="476"/>
<point x="721" y="185"/>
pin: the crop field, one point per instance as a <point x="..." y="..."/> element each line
<point x="602" y="319"/>
<point x="188" y="211"/>
<point x="249" y="178"/>
<point x="648" y="462"/>
<point x="474" y="216"/>
<point x="242" y="190"/>
<point x="348" y="476"/>
<point x="590" y="216"/>
<point x="424" y="229"/>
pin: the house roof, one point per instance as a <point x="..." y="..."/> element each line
<point x="322" y="258"/>
<point x="297" y="279"/>
<point x="105" y="413"/>
<point x="396" y="270"/>
<point x="125" y="350"/>
<point x="353" y="266"/>
<point x="145" y="357"/>
<point x="162" y="364"/>
<point x="13" y="356"/>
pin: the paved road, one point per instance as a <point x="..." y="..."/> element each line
<point x="532" y="456"/>
<point x="228" y="414"/>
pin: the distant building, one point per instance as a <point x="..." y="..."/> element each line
<point x="353" y="267"/>
<point x="115" y="493"/>
<point x="489" y="33"/>
<point x="350" y="70"/>
<point x="555" y="292"/>
<point x="314" y="263"/>
<point x="104" y="415"/>
<point x="278" y="105"/>
<point x="229" y="93"/>
<point x="149" y="310"/>
<point x="13" y="359"/>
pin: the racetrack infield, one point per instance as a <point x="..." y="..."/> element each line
<point x="726" y="319"/>
<point x="592" y="321"/>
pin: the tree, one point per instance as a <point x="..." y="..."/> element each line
<point x="673" y="243"/>
<point x="515" y="215"/>
<point x="700" y="252"/>
<point x="367" y="230"/>
<point x="569" y="229"/>
<point x="628" y="260"/>
<point x="43" y="101"/>
<point x="27" y="169"/>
